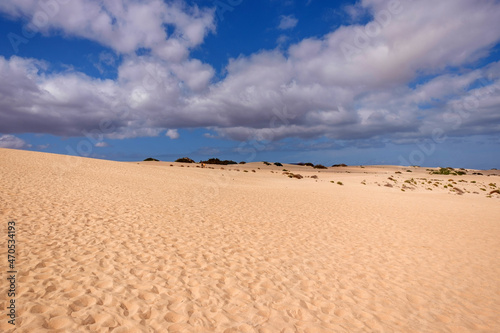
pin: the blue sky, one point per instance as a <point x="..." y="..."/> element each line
<point x="356" y="82"/>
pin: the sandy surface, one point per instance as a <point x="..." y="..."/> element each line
<point x="148" y="247"/>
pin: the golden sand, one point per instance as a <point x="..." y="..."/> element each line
<point x="120" y="247"/>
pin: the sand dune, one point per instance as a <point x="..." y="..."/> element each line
<point x="147" y="247"/>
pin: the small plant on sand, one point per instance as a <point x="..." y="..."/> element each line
<point x="340" y="183"/>
<point x="495" y="192"/>
<point x="284" y="170"/>
<point x="473" y="181"/>
<point x="363" y="182"/>
<point x="442" y="171"/>
<point x="253" y="171"/>
<point x="150" y="159"/>
<point x="409" y="171"/>
<point x="245" y="170"/>
<point x="243" y="162"/>
<point x="398" y="172"/>
<point x="278" y="164"/>
<point x="339" y="165"/>
<point x="314" y="177"/>
<point x="266" y="163"/>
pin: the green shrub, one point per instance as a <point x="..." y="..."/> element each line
<point x="218" y="162"/>
<point x="320" y="166"/>
<point x="185" y="160"/>
<point x="150" y="159"/>
<point x="278" y="164"/>
<point x="340" y="183"/>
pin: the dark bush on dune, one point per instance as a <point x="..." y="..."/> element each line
<point x="306" y="164"/>
<point x="448" y="171"/>
<point x="185" y="160"/>
<point x="339" y="165"/>
<point x="278" y="164"/>
<point x="266" y="163"/>
<point x="150" y="159"/>
<point x="243" y="162"/>
<point x="320" y="166"/>
<point x="218" y="162"/>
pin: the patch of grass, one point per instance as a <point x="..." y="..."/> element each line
<point x="473" y="182"/>
<point x="398" y="172"/>
<point x="340" y="183"/>
<point x="409" y="171"/>
<point x="442" y="171"/>
<point x="245" y="170"/>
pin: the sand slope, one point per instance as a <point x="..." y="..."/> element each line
<point x="148" y="247"/>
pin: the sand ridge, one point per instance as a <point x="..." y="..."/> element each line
<point x="148" y="247"/>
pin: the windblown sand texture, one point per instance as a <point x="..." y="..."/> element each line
<point x="147" y="247"/>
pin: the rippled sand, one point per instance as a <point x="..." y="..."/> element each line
<point x="147" y="247"/>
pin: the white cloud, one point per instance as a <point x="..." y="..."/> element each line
<point x="102" y="144"/>
<point x="287" y="22"/>
<point x="124" y="26"/>
<point x="11" y="141"/>
<point x="172" y="134"/>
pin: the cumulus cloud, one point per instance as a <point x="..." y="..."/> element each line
<point x="356" y="82"/>
<point x="287" y="22"/>
<point x="102" y="144"/>
<point x="124" y="26"/>
<point x="13" y="142"/>
<point x="172" y="134"/>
